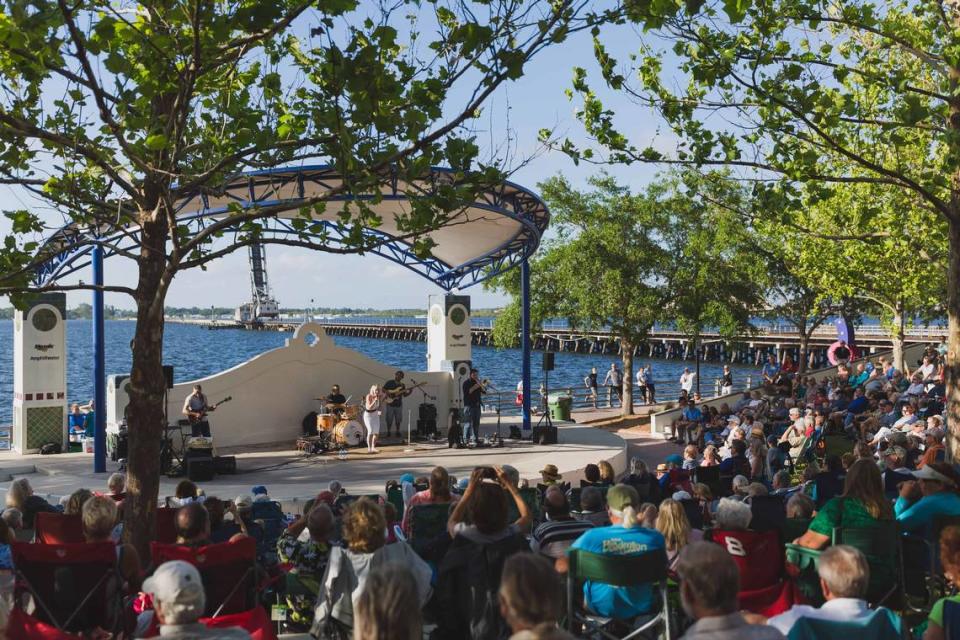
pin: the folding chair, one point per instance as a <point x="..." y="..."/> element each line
<point x="881" y="546"/>
<point x="74" y="587"/>
<point x="793" y="528"/>
<point x="428" y="526"/>
<point x="573" y="497"/>
<point x="58" y="528"/>
<point x="649" y="568"/>
<point x="532" y="499"/>
<point x="769" y="513"/>
<point x="395" y="497"/>
<point x="764" y="588"/>
<point x="694" y="513"/>
<point x="828" y="485"/>
<point x="709" y="476"/>
<point x="228" y="571"/>
<point x="256" y="622"/>
<point x="882" y="624"/>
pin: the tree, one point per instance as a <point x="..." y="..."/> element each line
<point x="113" y="114"/>
<point x="800" y="96"/>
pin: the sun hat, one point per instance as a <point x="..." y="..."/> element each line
<point x="929" y="473"/>
<point x="620" y="496"/>
<point x="550" y="472"/>
<point x="178" y="586"/>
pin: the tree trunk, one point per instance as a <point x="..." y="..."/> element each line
<point x="147" y="390"/>
<point x="952" y="368"/>
<point x="898" y="336"/>
<point x="626" y="357"/>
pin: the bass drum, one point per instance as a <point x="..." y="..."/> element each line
<point x="349" y="433"/>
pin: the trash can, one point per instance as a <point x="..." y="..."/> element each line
<point x="560" y="406"/>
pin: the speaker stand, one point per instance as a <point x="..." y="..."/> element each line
<point x="545" y="416"/>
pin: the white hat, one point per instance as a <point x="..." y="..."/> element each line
<point x="733" y="418"/>
<point x="929" y="473"/>
<point x="680" y="496"/>
<point x="178" y="586"/>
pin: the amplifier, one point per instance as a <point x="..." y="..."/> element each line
<point x="545" y="435"/>
<point x="225" y="464"/>
<point x="200" y="468"/>
<point x="428" y="411"/>
<point x="426" y="427"/>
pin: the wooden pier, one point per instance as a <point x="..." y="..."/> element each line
<point x="663" y="344"/>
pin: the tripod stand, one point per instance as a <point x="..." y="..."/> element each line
<point x="497" y="440"/>
<point x="545" y="420"/>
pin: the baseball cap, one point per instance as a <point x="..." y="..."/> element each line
<point x="733" y="418"/>
<point x="259" y="490"/>
<point x="896" y="450"/>
<point x="929" y="473"/>
<point x="178" y="586"/>
<point x="243" y="502"/>
<point x="621" y="495"/>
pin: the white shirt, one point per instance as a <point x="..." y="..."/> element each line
<point x="838" y="609"/>
<point x="927" y="370"/>
<point x="686" y="381"/>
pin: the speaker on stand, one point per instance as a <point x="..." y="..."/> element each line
<point x="545" y="432"/>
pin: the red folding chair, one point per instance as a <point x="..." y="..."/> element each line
<point x="166" y="525"/>
<point x="74" y="587"/>
<point x="256" y="622"/>
<point x="58" y="528"/>
<point x="764" y="587"/>
<point x="228" y="571"/>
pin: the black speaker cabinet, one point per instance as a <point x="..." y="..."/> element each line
<point x="225" y="465"/>
<point x="426" y="427"/>
<point x="548" y="360"/>
<point x="200" y="468"/>
<point x="545" y="435"/>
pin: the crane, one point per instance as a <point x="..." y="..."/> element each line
<point x="262" y="306"/>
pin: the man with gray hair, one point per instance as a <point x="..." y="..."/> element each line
<point x="732" y="515"/>
<point x="709" y="583"/>
<point x="179" y="601"/>
<point x="844" y="578"/>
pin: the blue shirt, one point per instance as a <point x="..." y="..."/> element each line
<point x="859" y="379"/>
<point x="76" y="421"/>
<point x="858" y="405"/>
<point x="771" y="369"/>
<point x="919" y="515"/>
<point x="615" y="540"/>
<point x="692" y="414"/>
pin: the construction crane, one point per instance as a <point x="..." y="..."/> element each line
<point x="262" y="306"/>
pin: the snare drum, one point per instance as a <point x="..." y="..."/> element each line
<point x="326" y="422"/>
<point x="351" y="412"/>
<point x="348" y="433"/>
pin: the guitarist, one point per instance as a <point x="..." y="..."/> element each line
<point x="396" y="391"/>
<point x="195" y="407"/>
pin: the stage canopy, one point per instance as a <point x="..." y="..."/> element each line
<point x="498" y="230"/>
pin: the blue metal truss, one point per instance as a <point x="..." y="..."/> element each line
<point x="71" y="246"/>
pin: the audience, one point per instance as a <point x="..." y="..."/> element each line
<point x="388" y="606"/>
<point x="76" y="500"/>
<point x="677" y="533"/>
<point x="558" y="531"/>
<point x="437" y="493"/>
<point x="99" y="518"/>
<point x="709" y="583"/>
<point x="529" y="617"/>
<point x="179" y="601"/>
<point x="950" y="560"/>
<point x="20" y="496"/>
<point x="116" y="485"/>
<point x="193" y="525"/>
<point x="933" y="493"/>
<point x="308" y="559"/>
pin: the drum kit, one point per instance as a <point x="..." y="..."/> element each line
<point x="338" y="427"/>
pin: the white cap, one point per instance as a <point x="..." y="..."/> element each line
<point x="178" y="586"/>
<point x="679" y="496"/>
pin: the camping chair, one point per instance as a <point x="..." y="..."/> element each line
<point x="428" y="530"/>
<point x="531" y="497"/>
<point x="881" y="545"/>
<point x="395" y="497"/>
<point x="769" y="513"/>
<point x="74" y="587"/>
<point x="764" y="588"/>
<point x="827" y="485"/>
<point x="58" y="528"/>
<point x="166" y="525"/>
<point x="573" y="497"/>
<point x="793" y="528"/>
<point x="882" y="624"/>
<point x="709" y="476"/>
<point x="228" y="571"/>
<point x="649" y="568"/>
<point x="693" y="511"/>
<point x="920" y="565"/>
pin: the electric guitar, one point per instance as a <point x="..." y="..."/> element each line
<point x="395" y="393"/>
<point x="197" y="416"/>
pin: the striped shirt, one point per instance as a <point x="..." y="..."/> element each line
<point x="554" y="537"/>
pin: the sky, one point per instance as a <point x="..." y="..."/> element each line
<point x="301" y="278"/>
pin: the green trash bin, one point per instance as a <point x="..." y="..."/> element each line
<point x="560" y="406"/>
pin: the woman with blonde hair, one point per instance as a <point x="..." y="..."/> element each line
<point x="388" y="607"/>
<point x="677" y="533"/>
<point x="20" y="496"/>
<point x="710" y="457"/>
<point x="607" y="475"/>
<point x="372" y="403"/>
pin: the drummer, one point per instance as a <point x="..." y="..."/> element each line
<point x="335" y="401"/>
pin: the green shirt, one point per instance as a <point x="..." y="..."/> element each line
<point x="855" y="516"/>
<point x="936" y="614"/>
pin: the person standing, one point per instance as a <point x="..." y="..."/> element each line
<point x="651" y="386"/>
<point x="372" y="403"/>
<point x="726" y="381"/>
<point x="614" y="384"/>
<point x="642" y="383"/>
<point x="686" y="380"/>
<point x="590" y="381"/>
<point x="195" y="407"/>
<point x="395" y="391"/>
<point x="473" y="391"/>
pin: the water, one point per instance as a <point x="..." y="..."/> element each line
<point x="195" y="352"/>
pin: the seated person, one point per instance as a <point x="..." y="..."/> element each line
<point x="933" y="442"/>
<point x="737" y="463"/>
<point x="626" y="537"/>
<point x="759" y="556"/>
<point x="20" y="496"/>
<point x="861" y="506"/>
<point x="527" y="617"/>
<point x="782" y="484"/>
<point x="99" y="517"/>
<point x="554" y="536"/>
<point x="686" y="428"/>
<point x="193" y="526"/>
<point x="844" y="578"/>
<point x="591" y="507"/>
<point x="179" y="601"/>
<point x="950" y="560"/>
<point x="933" y="493"/>
<point x="800" y="506"/>
<point x="308" y="557"/>
<point x="115" y="487"/>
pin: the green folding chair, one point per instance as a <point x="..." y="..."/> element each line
<point x="881" y="545"/>
<point x="428" y="522"/>
<point x="395" y="497"/>
<point x="648" y="568"/>
<point x="882" y="624"/>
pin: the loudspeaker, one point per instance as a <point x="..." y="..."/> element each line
<point x="428" y="411"/>
<point x="545" y="435"/>
<point x="200" y="468"/>
<point x="168" y="374"/>
<point x="548" y="360"/>
<point x="225" y="464"/>
<point x="426" y="427"/>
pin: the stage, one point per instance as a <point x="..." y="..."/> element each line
<point x="292" y="477"/>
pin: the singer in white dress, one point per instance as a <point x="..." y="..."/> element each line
<point x="372" y="403"/>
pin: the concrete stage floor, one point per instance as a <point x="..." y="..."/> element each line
<point x="292" y="477"/>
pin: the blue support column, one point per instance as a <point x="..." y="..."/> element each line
<point x="99" y="367"/>
<point x="525" y="340"/>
